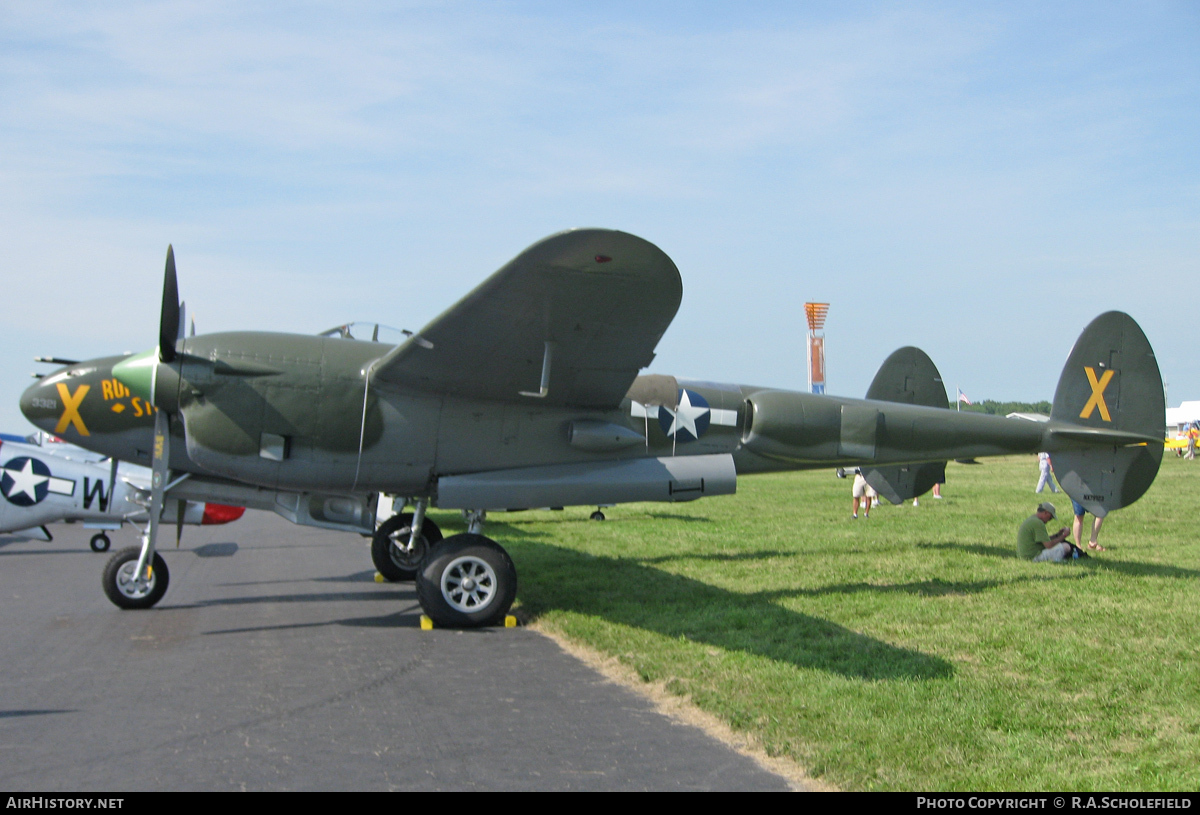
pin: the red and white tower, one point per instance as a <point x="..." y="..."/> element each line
<point x="816" y="345"/>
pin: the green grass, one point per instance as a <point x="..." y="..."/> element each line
<point x="910" y="651"/>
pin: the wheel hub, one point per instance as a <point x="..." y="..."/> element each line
<point x="403" y="554"/>
<point x="469" y="584"/>
<point x="132" y="586"/>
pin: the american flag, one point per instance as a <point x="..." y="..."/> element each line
<point x="962" y="397"/>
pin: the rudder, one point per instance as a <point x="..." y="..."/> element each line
<point x="907" y="376"/>
<point x="1110" y="390"/>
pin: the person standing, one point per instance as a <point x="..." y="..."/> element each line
<point x="1046" y="470"/>
<point x="861" y="492"/>
<point x="1077" y="528"/>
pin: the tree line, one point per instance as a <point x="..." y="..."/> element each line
<point x="1005" y="408"/>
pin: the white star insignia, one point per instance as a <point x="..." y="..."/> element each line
<point x="685" y="415"/>
<point x="25" y="480"/>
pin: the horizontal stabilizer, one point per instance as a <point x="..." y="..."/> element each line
<point x="1094" y="435"/>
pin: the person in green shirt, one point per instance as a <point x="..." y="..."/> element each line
<point x="1035" y="543"/>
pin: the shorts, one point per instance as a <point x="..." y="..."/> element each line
<point x="861" y="488"/>
<point x="1078" y="507"/>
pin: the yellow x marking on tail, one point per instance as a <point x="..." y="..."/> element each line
<point x="70" y="414"/>
<point x="1097" y="400"/>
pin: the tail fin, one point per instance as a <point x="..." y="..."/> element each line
<point x="1108" y="418"/>
<point x="907" y="376"/>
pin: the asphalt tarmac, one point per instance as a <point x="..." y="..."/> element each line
<point x="275" y="662"/>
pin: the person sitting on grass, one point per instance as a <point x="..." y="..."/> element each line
<point x="1037" y="544"/>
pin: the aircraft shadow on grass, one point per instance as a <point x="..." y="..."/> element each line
<point x="630" y="593"/>
<point x="1104" y="561"/>
<point x="719" y="557"/>
<point x="923" y="588"/>
<point x="974" y="548"/>
<point x="454" y="525"/>
<point x="687" y="519"/>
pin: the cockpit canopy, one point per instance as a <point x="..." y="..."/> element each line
<point x="368" y="332"/>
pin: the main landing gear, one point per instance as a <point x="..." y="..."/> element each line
<point x="396" y="551"/>
<point x="464" y="581"/>
<point x="467" y="581"/>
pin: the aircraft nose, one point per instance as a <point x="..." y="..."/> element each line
<point x="41" y="403"/>
<point x="55" y="403"/>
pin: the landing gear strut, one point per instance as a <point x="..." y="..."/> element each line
<point x="397" y="552"/>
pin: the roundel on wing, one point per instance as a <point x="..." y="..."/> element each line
<point x="689" y="420"/>
<point x="25" y="481"/>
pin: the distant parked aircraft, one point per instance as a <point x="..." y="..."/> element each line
<point x="44" y="480"/>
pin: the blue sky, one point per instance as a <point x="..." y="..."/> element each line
<point x="976" y="179"/>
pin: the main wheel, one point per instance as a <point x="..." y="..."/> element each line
<point x="466" y="582"/>
<point x="100" y="542"/>
<point x="389" y="546"/>
<point x="125" y="591"/>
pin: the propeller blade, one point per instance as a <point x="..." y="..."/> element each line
<point x="168" y="327"/>
<point x="183" y="505"/>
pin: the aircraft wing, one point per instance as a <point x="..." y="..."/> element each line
<point x="602" y="300"/>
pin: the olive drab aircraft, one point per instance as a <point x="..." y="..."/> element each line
<point x="528" y="392"/>
<point x="43" y="481"/>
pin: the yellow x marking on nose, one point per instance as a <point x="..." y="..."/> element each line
<point x="70" y="414"/>
<point x="1097" y="400"/>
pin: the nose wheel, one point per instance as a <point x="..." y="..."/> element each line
<point x="100" y="542"/>
<point x="126" y="589"/>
